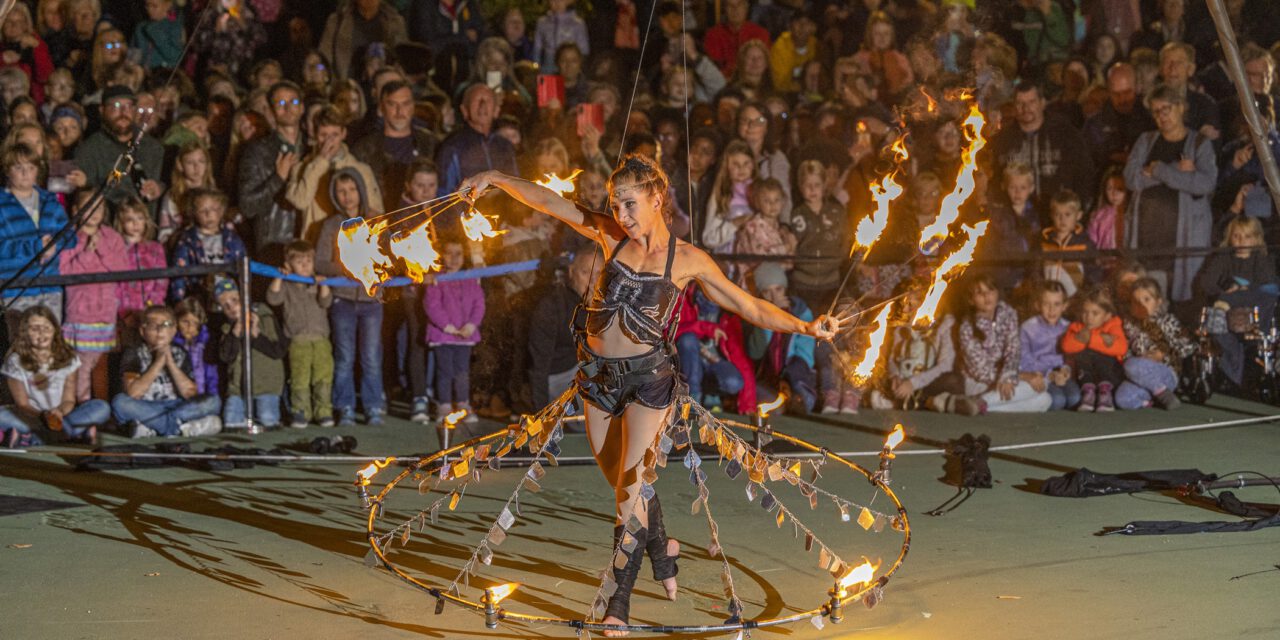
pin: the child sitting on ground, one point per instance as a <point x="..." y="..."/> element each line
<point x="1157" y="348"/>
<point x="90" y="322"/>
<point x="921" y="360"/>
<point x="1237" y="282"/>
<point x="141" y="252"/>
<point x="306" y="325"/>
<point x="1042" y="364"/>
<point x="267" y="353"/>
<point x="159" y="396"/>
<point x="990" y="353"/>
<point x="786" y="361"/>
<point x="1095" y="346"/>
<point x="455" y="310"/>
<point x="193" y="335"/>
<point x="39" y="371"/>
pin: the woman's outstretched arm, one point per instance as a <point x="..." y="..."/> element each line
<point x="532" y="195"/>
<point x="760" y="313"/>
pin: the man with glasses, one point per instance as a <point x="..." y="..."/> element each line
<point x="265" y="168"/>
<point x="97" y="155"/>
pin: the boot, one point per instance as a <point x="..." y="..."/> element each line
<point x="664" y="566"/>
<point x="619" y="605"/>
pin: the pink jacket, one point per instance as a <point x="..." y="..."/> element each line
<point x="454" y="302"/>
<point x="140" y="294"/>
<point x="93" y="302"/>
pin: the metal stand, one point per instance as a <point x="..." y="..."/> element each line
<point x="246" y="386"/>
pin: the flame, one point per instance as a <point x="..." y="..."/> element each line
<point x="499" y="593"/>
<point x="895" y="438"/>
<point x="452" y="419"/>
<point x="954" y="263"/>
<point x="764" y="408"/>
<point x="365" y="475"/>
<point x="861" y="574"/>
<point x="557" y="184"/>
<point x="862" y="371"/>
<point x="932" y="235"/>
<point x="358" y="252"/>
<point x="883" y="193"/>
<point x="478" y="226"/>
<point x="415" y="248"/>
<point x="932" y="104"/>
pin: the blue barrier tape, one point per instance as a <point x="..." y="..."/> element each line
<point x="268" y="271"/>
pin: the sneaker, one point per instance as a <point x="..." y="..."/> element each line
<point x="880" y="401"/>
<point x="346" y="418"/>
<point x="375" y="417"/>
<point x="419" y="413"/>
<point x="966" y="406"/>
<point x="1088" y="398"/>
<point x="142" y="431"/>
<point x="849" y="401"/>
<point x="1167" y="400"/>
<point x="830" y="402"/>
<point x="326" y="422"/>
<point x="471" y="417"/>
<point x="200" y="427"/>
<point x="297" y="420"/>
<point x="1105" y="401"/>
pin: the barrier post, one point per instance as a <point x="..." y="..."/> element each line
<point x="246" y="384"/>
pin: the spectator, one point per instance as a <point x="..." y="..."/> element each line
<point x="569" y="65"/>
<point x="1157" y="348"/>
<point x="1095" y="346"/>
<point x="755" y="128"/>
<point x="423" y="181"/>
<point x="474" y="147"/>
<point x="697" y="180"/>
<point x="1052" y="148"/>
<point x="1177" y="67"/>
<point x="787" y="361"/>
<point x="232" y="42"/>
<point x="723" y="41"/>
<point x="310" y="181"/>
<point x="30" y="220"/>
<point x="90" y="323"/>
<point x="1170" y="172"/>
<point x="553" y="360"/>
<point x="1111" y="132"/>
<point x="729" y="207"/>
<point x="24" y="49"/>
<point x="160" y="38"/>
<point x="97" y="155"/>
<point x="266" y="350"/>
<point x="560" y="25"/>
<point x="39" y="370"/>
<point x="306" y="325"/>
<point x="709" y="344"/>
<point x="751" y="74"/>
<point x="1014" y="224"/>
<point x="1066" y="235"/>
<point x="142" y="251"/>
<point x="51" y="26"/>
<point x="1259" y="71"/>
<point x="822" y="230"/>
<point x="193" y="335"/>
<point x="159" y="397"/>
<point x="919" y="371"/>
<point x="265" y="168"/>
<point x="355" y="316"/>
<point x="1042" y="363"/>
<point x="357" y="27"/>
<point x="209" y="240"/>
<point x="455" y="310"/>
<point x="763" y="233"/>
<point x="1107" y="222"/>
<point x="880" y="58"/>
<point x="83" y="19"/>
<point x="192" y="169"/>
<point x="1237" y="282"/>
<point x="515" y="32"/>
<point x="67" y="124"/>
<point x="453" y="27"/>
<point x="990" y="354"/>
<point x="1046" y="29"/>
<point x="792" y="51"/>
<point x="110" y="53"/>
<point x="389" y="152"/>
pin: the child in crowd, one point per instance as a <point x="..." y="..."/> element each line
<point x="1236" y="282"/>
<point x="786" y="360"/>
<point x="455" y="310"/>
<point x="158" y="40"/>
<point x="1066" y="234"/>
<point x="1106" y="223"/>
<point x="990" y="354"/>
<point x="1020" y="190"/>
<point x="141" y="252"/>
<point x="729" y="207"/>
<point x="159" y="396"/>
<point x="1095" y="345"/>
<point x="90" y="323"/>
<point x="192" y="169"/>
<point x="30" y="219"/>
<point x="561" y="24"/>
<point x="422" y="183"/>
<point x="763" y="233"/>
<point x="304" y="308"/>
<point x="207" y="241"/>
<point x="267" y="351"/>
<point x="39" y="370"/>
<point x="709" y="344"/>
<point x="921" y="360"/>
<point x="822" y="230"/>
<point x="1042" y="364"/>
<point x="1157" y="348"/>
<point x="193" y="335"/>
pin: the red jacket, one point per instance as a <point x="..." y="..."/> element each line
<point x="729" y="342"/>
<point x="1113" y="327"/>
<point x="722" y="43"/>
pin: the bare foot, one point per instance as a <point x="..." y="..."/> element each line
<point x="673" y="551"/>
<point x="611" y="633"/>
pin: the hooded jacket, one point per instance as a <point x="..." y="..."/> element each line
<point x="311" y="189"/>
<point x="327" y="262"/>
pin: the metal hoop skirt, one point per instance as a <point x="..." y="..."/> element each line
<point x="822" y="610"/>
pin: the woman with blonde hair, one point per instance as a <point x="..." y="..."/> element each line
<point x="109" y="50"/>
<point x="23" y="48"/>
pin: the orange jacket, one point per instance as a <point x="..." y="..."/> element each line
<point x="1113" y="327"/>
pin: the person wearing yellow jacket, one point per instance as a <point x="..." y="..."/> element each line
<point x="791" y="51"/>
<point x="308" y="188"/>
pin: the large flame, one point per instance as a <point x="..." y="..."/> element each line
<point x="359" y="254"/>
<point x="764" y="408"/>
<point x="861" y="574"/>
<point x="559" y="185"/>
<point x="478" y="226"/>
<point x="415" y="248"/>
<point x="952" y="266"/>
<point x="499" y="593"/>
<point x="933" y="235"/>
<point x="365" y="475"/>
<point x="863" y="370"/>
<point x="883" y="193"/>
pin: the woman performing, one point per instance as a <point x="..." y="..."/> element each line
<point x="627" y="373"/>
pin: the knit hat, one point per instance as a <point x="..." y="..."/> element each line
<point x="769" y="274"/>
<point x="65" y="111"/>
<point x="223" y="285"/>
<point x="117" y="91"/>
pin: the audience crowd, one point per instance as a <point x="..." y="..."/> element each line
<point x="257" y="127"/>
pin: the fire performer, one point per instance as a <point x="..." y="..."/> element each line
<point x="627" y="373"/>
